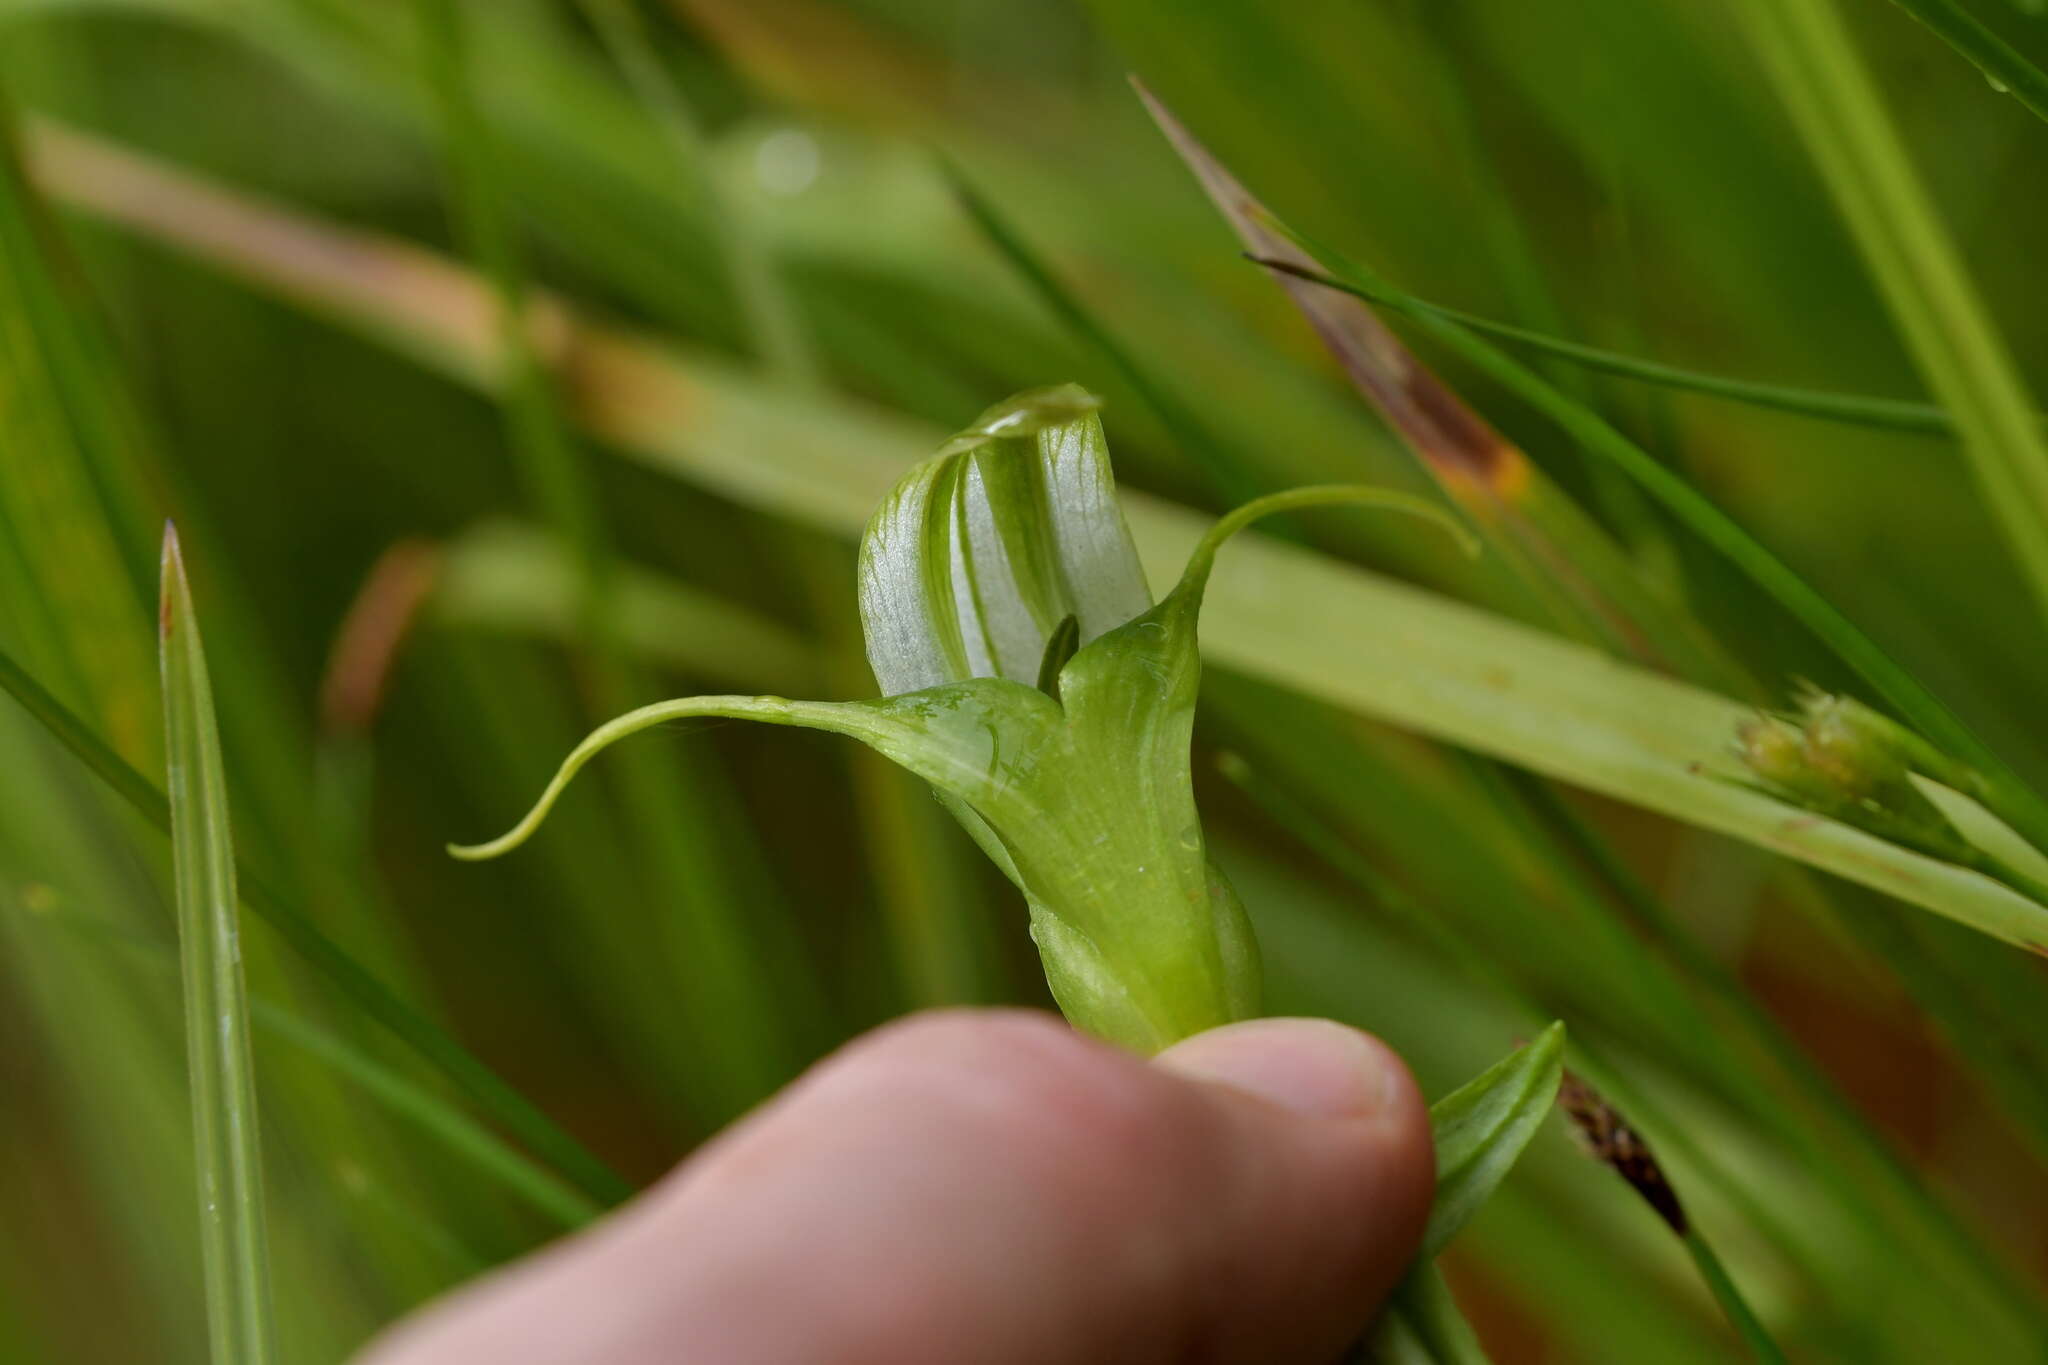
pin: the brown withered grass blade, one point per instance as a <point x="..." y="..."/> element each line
<point x="1561" y="557"/>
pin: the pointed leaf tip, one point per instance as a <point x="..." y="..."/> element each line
<point x="170" y="573"/>
<point x="1482" y="1127"/>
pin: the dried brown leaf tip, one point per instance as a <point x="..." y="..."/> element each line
<point x="1607" y="1138"/>
<point x="1458" y="446"/>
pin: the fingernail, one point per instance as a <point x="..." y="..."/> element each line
<point x="1310" y="1066"/>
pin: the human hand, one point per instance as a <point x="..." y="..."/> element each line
<point x="989" y="1187"/>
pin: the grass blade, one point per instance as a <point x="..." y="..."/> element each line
<point x="1837" y="109"/>
<point x="1492" y="462"/>
<point x="233" y="1236"/>
<point x="1886" y="414"/>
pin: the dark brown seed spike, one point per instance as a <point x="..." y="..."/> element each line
<point x="1607" y="1138"/>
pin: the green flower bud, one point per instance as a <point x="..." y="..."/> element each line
<point x="1775" y="750"/>
<point x="1846" y="761"/>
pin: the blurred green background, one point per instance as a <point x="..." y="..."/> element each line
<point x="237" y="293"/>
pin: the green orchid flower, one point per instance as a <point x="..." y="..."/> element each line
<point x="1032" y="681"/>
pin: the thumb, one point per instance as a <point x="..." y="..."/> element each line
<point x="989" y="1186"/>
<point x="1332" y="1127"/>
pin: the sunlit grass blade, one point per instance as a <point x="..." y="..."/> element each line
<point x="1841" y="116"/>
<point x="233" y="1233"/>
<point x="492" y="1094"/>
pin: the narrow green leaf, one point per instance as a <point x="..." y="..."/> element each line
<point x="1482" y="1127"/>
<point x="1482" y="463"/>
<point x="1887" y="414"/>
<point x="232" y="1231"/>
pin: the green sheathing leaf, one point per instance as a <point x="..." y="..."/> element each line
<point x="1480" y="1131"/>
<point x="1482" y="1127"/>
<point x="1090" y="801"/>
<point x="233" y="1234"/>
